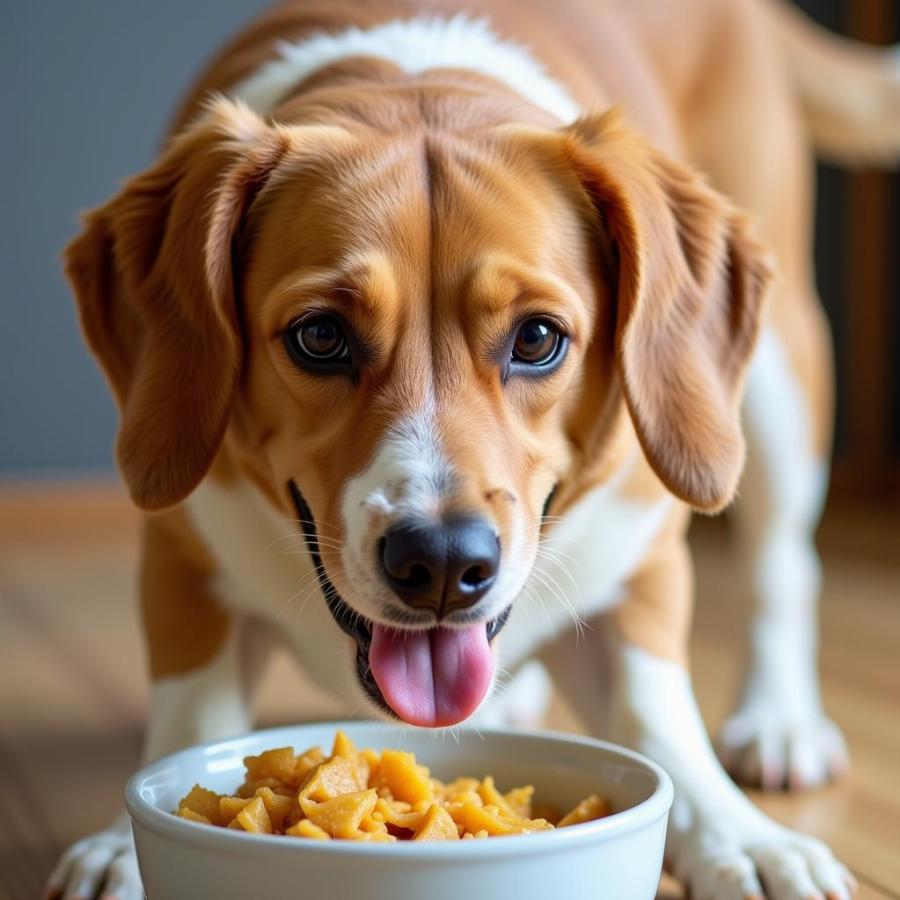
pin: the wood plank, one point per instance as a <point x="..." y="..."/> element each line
<point x="72" y="689"/>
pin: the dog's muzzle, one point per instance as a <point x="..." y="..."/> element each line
<point x="353" y="623"/>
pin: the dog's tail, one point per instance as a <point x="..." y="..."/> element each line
<point x="850" y="92"/>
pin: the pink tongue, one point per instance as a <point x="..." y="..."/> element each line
<point x="432" y="678"/>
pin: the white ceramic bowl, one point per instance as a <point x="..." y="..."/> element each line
<point x="615" y="858"/>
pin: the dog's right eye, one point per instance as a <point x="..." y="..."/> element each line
<point x="319" y="343"/>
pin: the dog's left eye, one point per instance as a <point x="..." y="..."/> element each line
<point x="538" y="342"/>
<point x="318" y="342"/>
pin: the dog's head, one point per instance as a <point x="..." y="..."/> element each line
<point x="409" y="342"/>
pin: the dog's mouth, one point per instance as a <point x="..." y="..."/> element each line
<point x="432" y="677"/>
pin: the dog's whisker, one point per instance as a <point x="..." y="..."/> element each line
<point x="556" y="590"/>
<point x="329" y="544"/>
<point x="550" y="539"/>
<point x="578" y="621"/>
<point x="302" y="548"/>
<point x="306" y="586"/>
<point x="317" y="524"/>
<point x="555" y="555"/>
<point x="559" y="564"/>
<point x="320" y="540"/>
<point x="552" y="544"/>
<point x="531" y="600"/>
<point x="537" y="600"/>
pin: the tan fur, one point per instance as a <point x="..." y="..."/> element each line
<point x="691" y="286"/>
<point x="850" y="93"/>
<point x="433" y="213"/>
<point x="398" y="190"/>
<point x="657" y="613"/>
<point x="503" y="443"/>
<point x="153" y="276"/>
<point x="183" y="620"/>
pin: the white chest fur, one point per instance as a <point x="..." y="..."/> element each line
<point x="583" y="563"/>
<point x="265" y="571"/>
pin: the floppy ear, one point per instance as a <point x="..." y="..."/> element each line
<point x="691" y="283"/>
<point x="152" y="273"/>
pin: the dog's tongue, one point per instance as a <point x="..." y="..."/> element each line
<point x="432" y="678"/>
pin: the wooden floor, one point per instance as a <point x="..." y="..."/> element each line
<point x="72" y="688"/>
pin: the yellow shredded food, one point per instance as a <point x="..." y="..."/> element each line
<point x="362" y="795"/>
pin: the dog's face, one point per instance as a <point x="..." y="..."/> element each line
<point x="411" y="342"/>
<point x="411" y="361"/>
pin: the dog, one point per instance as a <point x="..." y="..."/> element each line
<point x="428" y="334"/>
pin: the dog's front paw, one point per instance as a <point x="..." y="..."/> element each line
<point x="774" y="748"/>
<point x="103" y="865"/>
<point x="781" y="865"/>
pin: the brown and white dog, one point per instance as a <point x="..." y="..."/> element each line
<point x="407" y="291"/>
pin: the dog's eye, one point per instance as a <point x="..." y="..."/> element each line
<point x="318" y="341"/>
<point x="538" y="343"/>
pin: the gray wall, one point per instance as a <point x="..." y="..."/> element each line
<point x="87" y="87"/>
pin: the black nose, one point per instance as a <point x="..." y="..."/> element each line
<point x="441" y="567"/>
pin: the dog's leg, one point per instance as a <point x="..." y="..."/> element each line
<point x="718" y="843"/>
<point x="185" y="709"/>
<point x="779" y="734"/>
<point x="188" y="703"/>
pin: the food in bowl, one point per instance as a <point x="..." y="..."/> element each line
<point x="620" y="854"/>
<point x="364" y="795"/>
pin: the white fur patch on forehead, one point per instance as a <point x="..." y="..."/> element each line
<point x="415" y="45"/>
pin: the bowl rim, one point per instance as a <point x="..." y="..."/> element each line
<point x="166" y="824"/>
